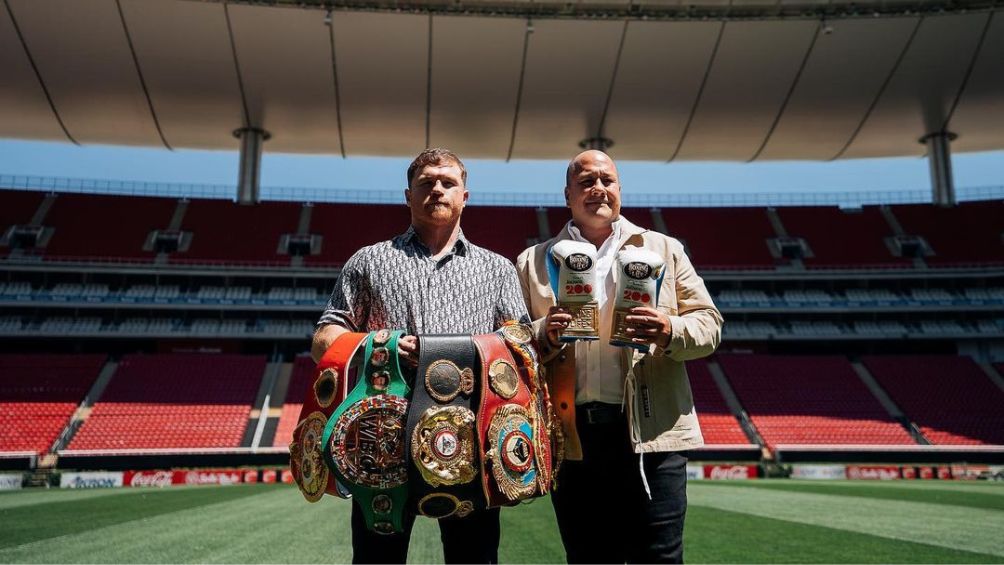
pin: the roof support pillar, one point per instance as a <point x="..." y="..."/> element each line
<point x="249" y="171"/>
<point x="939" y="157"/>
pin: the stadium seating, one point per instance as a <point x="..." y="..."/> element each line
<point x="949" y="397"/>
<point x="89" y="225"/>
<point x="299" y="381"/>
<point x="174" y="401"/>
<point x="970" y="232"/>
<point x="17" y="208"/>
<point x="718" y="424"/>
<point x="844" y="238"/>
<point x="347" y="227"/>
<point x="39" y="394"/>
<point x="504" y="230"/>
<point x="809" y="400"/>
<point x="224" y="231"/>
<point x="723" y="237"/>
<point x="95" y="225"/>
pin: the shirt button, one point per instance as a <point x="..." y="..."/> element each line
<point x="564" y="406"/>
<point x="561" y="357"/>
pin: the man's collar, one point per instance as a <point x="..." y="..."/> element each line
<point x="460" y="247"/>
<point x="627" y="229"/>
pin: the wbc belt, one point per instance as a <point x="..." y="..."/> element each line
<point x="322" y="397"/>
<point x="441" y="428"/>
<point x="505" y="426"/>
<point x="364" y="441"/>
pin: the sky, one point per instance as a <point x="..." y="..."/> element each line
<point x="486" y="177"/>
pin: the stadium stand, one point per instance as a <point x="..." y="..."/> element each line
<point x="17" y="209"/>
<point x="722" y="237"/>
<point x="347" y="227"/>
<point x="506" y="231"/>
<point x="39" y="394"/>
<point x="93" y="225"/>
<point x="224" y="231"/>
<point x="948" y="397"/>
<point x="809" y="400"/>
<point x="718" y="424"/>
<point x="843" y="238"/>
<point x="971" y="232"/>
<point x="299" y="381"/>
<point x="174" y="401"/>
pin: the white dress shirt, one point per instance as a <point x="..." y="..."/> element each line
<point x="598" y="368"/>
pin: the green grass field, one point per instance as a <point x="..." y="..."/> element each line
<point x="775" y="521"/>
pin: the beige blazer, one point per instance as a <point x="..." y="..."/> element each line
<point x="658" y="398"/>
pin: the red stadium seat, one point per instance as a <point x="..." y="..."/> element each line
<point x="810" y="400"/>
<point x="39" y="394"/>
<point x="948" y="396"/>
<point x="718" y="424"/>
<point x="176" y="401"/>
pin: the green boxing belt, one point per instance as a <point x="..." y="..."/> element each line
<point x="364" y="441"/>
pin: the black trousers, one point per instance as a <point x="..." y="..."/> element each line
<point x="474" y="539"/>
<point x="604" y="513"/>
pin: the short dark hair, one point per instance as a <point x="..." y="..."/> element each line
<point x="435" y="156"/>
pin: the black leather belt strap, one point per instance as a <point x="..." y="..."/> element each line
<point x="441" y="429"/>
<point x="600" y="413"/>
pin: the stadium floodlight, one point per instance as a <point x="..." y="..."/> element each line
<point x="249" y="172"/>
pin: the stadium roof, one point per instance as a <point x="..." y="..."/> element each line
<point x="665" y="80"/>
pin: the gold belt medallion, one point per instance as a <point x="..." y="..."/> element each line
<point x="442" y="445"/>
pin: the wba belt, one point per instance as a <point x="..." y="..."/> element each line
<point x="323" y="395"/>
<point x="364" y="441"/>
<point x="441" y="428"/>
<point x="505" y="421"/>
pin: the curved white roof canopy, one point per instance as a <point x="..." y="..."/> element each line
<point x="753" y="81"/>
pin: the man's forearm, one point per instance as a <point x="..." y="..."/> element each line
<point x="323" y="338"/>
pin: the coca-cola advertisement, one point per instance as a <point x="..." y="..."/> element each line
<point x="730" y="472"/>
<point x="287" y="476"/>
<point x="944" y="473"/>
<point x="909" y="472"/>
<point x="191" y="477"/>
<point x="926" y="473"/>
<point x="873" y="472"/>
<point x="251" y="476"/>
<point x="268" y="476"/>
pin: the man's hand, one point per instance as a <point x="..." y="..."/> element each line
<point x="556" y="321"/>
<point x="407" y="349"/>
<point x="647" y="325"/>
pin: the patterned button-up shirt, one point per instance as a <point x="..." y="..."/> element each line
<point x="396" y="284"/>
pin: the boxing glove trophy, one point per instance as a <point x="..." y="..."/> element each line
<point x="571" y="267"/>
<point x="640" y="277"/>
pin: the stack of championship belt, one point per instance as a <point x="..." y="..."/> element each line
<point x="475" y="429"/>
<point x="324" y="394"/>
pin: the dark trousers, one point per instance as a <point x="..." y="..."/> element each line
<point x="604" y="513"/>
<point x="474" y="539"/>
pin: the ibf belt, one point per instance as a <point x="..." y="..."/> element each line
<point x="505" y="426"/>
<point x="441" y="428"/>
<point x="364" y="441"/>
<point x="323" y="395"/>
<point x="547" y="438"/>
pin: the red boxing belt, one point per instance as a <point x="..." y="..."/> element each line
<point x="509" y="471"/>
<point x="326" y="391"/>
<point x="546" y="429"/>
